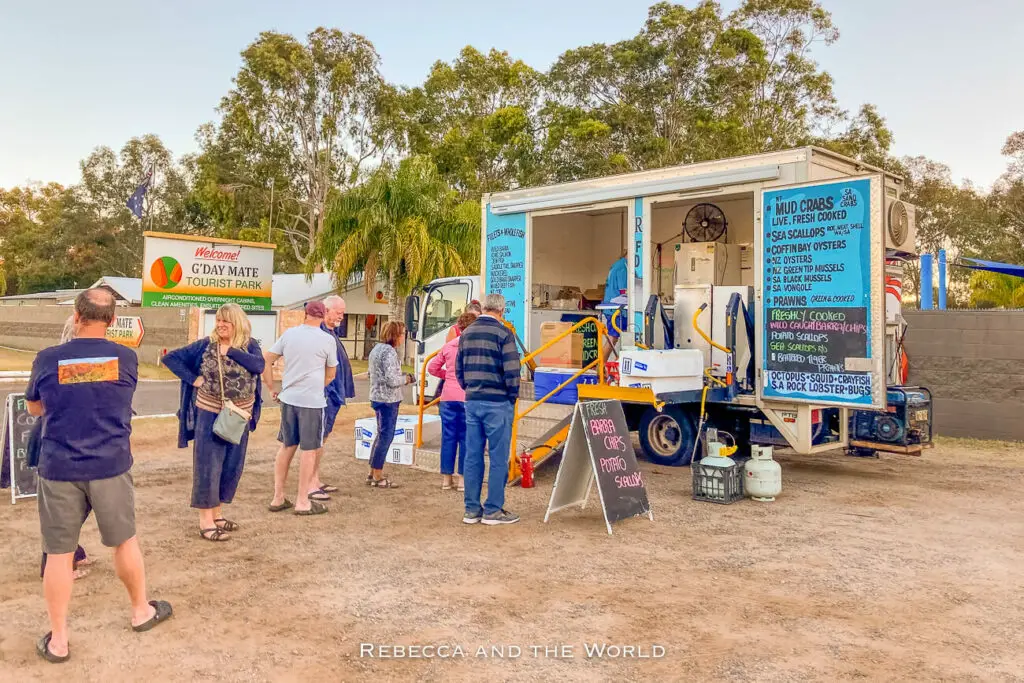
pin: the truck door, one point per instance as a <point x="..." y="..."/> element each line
<point x="443" y="303"/>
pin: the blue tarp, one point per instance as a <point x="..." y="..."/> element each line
<point x="992" y="266"/>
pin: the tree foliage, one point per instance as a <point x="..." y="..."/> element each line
<point x="404" y="225"/>
<point x="308" y="115"/>
<point x="305" y="149"/>
<point x="56" y="237"/>
<point x="477" y="118"/>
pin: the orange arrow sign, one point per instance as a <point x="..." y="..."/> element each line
<point x="126" y="330"/>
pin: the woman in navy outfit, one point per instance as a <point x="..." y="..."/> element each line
<point x="217" y="464"/>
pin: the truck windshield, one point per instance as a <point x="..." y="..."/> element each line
<point x="445" y="303"/>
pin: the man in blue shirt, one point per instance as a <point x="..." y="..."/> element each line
<point x="337" y="392"/>
<point x="615" y="286"/>
<point x="83" y="392"/>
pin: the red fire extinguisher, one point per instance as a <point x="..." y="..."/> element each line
<point x="526" y="468"/>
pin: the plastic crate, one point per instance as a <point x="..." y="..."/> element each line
<point x="723" y="485"/>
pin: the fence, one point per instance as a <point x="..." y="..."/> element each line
<point x="973" y="362"/>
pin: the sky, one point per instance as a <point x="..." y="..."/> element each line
<point x="77" y="75"/>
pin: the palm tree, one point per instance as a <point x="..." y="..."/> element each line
<point x="404" y="225"/>
<point x="996" y="290"/>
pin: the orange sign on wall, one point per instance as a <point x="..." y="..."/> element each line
<point x="127" y="331"/>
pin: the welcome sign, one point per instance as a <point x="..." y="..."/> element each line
<point x="185" y="270"/>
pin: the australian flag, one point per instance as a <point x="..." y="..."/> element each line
<point x="134" y="202"/>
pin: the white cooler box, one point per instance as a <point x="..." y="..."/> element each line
<point x="662" y="370"/>
<point x="403" y="446"/>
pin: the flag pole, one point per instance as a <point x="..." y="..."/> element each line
<point x="152" y="184"/>
<point x="270" y="221"/>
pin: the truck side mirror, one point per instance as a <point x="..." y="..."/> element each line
<point x="412" y="315"/>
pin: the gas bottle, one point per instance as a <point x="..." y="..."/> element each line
<point x="762" y="478"/>
<point x="526" y="469"/>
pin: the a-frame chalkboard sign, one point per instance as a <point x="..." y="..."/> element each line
<point x="17" y="426"/>
<point x="599" y="448"/>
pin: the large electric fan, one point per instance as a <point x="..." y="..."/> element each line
<point x="705" y="223"/>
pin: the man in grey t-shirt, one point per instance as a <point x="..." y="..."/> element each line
<point x="310" y="362"/>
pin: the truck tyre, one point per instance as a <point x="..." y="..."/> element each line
<point x="667" y="436"/>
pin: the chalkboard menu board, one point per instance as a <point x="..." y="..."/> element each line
<point x="823" y="311"/>
<point x="599" y="448"/>
<point x="17" y="427"/>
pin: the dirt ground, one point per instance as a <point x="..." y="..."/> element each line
<point x="893" y="569"/>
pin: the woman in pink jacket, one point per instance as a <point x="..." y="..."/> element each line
<point x="453" y="410"/>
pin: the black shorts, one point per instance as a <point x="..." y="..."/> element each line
<point x="302" y="427"/>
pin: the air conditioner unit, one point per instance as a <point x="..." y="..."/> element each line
<point x="900" y="228"/>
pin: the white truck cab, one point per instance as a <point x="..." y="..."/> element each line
<point x="431" y="315"/>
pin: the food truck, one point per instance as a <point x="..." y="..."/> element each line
<point x="756" y="295"/>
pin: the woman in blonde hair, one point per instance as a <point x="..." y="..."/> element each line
<point x="226" y="366"/>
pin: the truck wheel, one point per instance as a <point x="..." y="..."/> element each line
<point x="667" y="437"/>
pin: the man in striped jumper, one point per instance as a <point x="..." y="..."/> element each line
<point x="487" y="367"/>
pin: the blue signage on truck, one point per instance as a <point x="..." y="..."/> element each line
<point x="505" y="271"/>
<point x="817" y="292"/>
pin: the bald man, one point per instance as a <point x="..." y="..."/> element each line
<point x="337" y="392"/>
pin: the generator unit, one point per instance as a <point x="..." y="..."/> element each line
<point x="905" y="426"/>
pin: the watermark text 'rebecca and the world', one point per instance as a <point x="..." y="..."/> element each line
<point x="511" y="651"/>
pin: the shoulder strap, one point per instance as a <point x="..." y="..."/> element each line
<point x="220" y="370"/>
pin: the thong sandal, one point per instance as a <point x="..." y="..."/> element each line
<point x="327" y="488"/>
<point x="226" y="524"/>
<point x="315" y="508"/>
<point x="282" y="507"/>
<point x="216" y="534"/>
<point x="384" y="483"/>
<point x="369" y="480"/>
<point x="43" y="648"/>
<point x="163" y="613"/>
<point x="319" y="495"/>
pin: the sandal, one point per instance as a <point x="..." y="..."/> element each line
<point x="315" y="508"/>
<point x="216" y="534"/>
<point x="318" y="494"/>
<point x="384" y="483"/>
<point x="163" y="613"/>
<point x="226" y="524"/>
<point x="369" y="480"/>
<point x="43" y="649"/>
<point x="327" y="488"/>
<point x="282" y="507"/>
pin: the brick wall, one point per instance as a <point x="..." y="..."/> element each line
<point x="973" y="362"/>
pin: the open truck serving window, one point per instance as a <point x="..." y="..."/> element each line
<point x="760" y="278"/>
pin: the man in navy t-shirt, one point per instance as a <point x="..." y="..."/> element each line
<point x="83" y="390"/>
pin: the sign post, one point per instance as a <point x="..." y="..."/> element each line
<point x="599" y="449"/>
<point x="127" y="331"/>
<point x="17" y="427"/>
<point x="822" y="300"/>
<point x="184" y="270"/>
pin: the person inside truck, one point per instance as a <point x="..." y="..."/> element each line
<point x="614" y="293"/>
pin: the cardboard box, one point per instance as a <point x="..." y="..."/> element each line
<point x="566" y="353"/>
<point x="398" y="454"/>
<point x="405" y="429"/>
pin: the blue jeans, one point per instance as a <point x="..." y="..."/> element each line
<point x="453" y="436"/>
<point x="487" y="424"/>
<point x="387" y="418"/>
